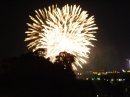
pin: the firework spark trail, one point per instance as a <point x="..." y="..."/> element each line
<point x="57" y="30"/>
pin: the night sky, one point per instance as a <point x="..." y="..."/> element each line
<point x="112" y="18"/>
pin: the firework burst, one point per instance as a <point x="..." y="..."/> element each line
<point x="56" y="30"/>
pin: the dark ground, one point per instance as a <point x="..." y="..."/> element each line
<point x="31" y="76"/>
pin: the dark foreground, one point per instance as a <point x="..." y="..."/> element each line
<point x="30" y="76"/>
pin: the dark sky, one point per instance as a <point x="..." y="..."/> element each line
<point x="112" y="18"/>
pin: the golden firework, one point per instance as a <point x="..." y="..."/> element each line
<point x="56" y="30"/>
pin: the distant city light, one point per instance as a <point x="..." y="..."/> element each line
<point x="123" y="70"/>
<point x="128" y="63"/>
